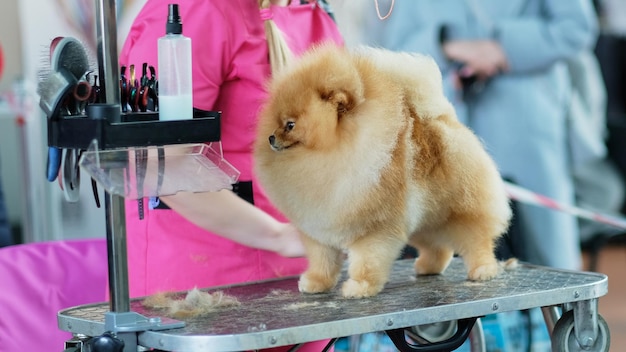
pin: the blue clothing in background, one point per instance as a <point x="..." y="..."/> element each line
<point x="521" y="115"/>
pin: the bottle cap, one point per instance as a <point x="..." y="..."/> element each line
<point x="174" y="24"/>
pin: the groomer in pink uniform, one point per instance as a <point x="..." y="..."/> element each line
<point x="215" y="238"/>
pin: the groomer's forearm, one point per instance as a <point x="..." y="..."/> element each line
<point x="227" y="215"/>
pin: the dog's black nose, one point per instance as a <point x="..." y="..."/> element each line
<point x="272" y="139"/>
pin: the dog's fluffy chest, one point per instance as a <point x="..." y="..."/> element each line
<point x="339" y="212"/>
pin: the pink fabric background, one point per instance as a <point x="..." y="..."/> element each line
<point x="39" y="279"/>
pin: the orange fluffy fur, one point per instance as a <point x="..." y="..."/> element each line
<point x="366" y="155"/>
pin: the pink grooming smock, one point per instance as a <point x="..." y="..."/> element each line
<point x="230" y="68"/>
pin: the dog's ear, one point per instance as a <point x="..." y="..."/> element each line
<point x="342" y="100"/>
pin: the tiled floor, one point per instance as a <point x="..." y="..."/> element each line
<point x="612" y="262"/>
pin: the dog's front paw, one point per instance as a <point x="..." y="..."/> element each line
<point x="359" y="289"/>
<point x="484" y="272"/>
<point x="310" y="283"/>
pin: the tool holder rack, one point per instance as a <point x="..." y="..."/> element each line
<point x="263" y="320"/>
<point x="137" y="129"/>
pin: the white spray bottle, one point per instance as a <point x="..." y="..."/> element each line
<point x="174" y="62"/>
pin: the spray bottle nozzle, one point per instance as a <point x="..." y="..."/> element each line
<point x="174" y="24"/>
<point x="172" y="13"/>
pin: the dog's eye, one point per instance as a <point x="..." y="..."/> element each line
<point x="290" y="125"/>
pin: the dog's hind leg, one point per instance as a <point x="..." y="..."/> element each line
<point x="480" y="261"/>
<point x="474" y="241"/>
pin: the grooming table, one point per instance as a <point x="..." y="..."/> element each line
<point x="274" y="313"/>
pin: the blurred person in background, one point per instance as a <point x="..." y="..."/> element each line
<point x="505" y="68"/>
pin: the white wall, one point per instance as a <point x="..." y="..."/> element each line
<point x="10" y="162"/>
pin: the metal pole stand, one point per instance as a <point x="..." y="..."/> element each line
<point x="105" y="133"/>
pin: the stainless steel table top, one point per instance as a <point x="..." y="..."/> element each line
<point x="273" y="313"/>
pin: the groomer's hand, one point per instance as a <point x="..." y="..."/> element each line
<point x="482" y="58"/>
<point x="288" y="242"/>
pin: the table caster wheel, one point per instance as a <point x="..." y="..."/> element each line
<point x="106" y="343"/>
<point x="564" y="338"/>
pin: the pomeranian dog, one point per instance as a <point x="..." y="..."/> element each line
<point x="366" y="155"/>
